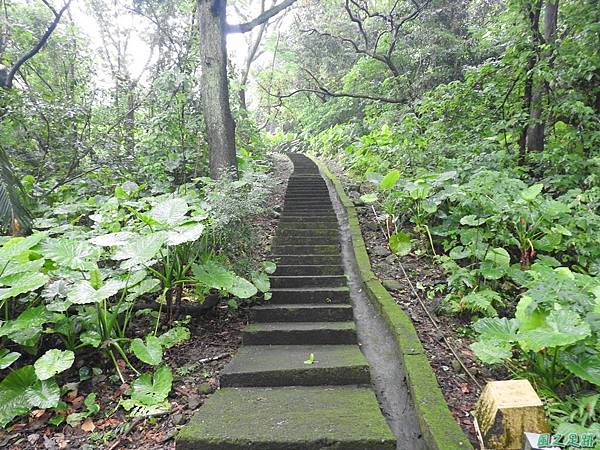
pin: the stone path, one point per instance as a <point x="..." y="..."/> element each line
<point x="270" y="399"/>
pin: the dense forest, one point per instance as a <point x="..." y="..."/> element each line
<point x="138" y="143"/>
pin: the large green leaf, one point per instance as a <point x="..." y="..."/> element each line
<point x="27" y="327"/>
<point x="140" y="251"/>
<point x="390" y="180"/>
<point x="18" y="245"/>
<point x="270" y="267"/>
<point x="586" y="365"/>
<point x="190" y="232"/>
<point x="43" y="394"/>
<point x="83" y="292"/>
<point x="492" y="351"/>
<point x="150" y="389"/>
<point x="149" y="352"/>
<point x="494" y="328"/>
<point x="113" y="239"/>
<point x="7" y="358"/>
<point x="561" y="328"/>
<point x="498" y="256"/>
<point x="54" y="361"/>
<point x="71" y="253"/>
<point x="532" y="192"/>
<point x="13" y="394"/>
<point x="23" y="283"/>
<point x="213" y="275"/>
<point x="369" y="198"/>
<point x="11" y="268"/>
<point x="261" y="281"/>
<point x="175" y="336"/>
<point x="400" y="243"/>
<point x="472" y="220"/>
<point x="242" y="288"/>
<point x="528" y="318"/>
<point x="170" y="212"/>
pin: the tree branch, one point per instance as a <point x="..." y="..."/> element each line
<point x="262" y="18"/>
<point x="37" y="47"/>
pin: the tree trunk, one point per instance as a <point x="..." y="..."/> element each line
<point x="535" y="135"/>
<point x="220" y="127"/>
<point x="532" y="13"/>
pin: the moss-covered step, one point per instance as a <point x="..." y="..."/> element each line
<point x="310" y="202"/>
<point x="308" y="212"/>
<point x="307" y="225"/>
<point x="305" y="250"/>
<point x="307" y="232"/>
<point x="284" y="365"/>
<point x="306" y="240"/>
<point x="323" y="269"/>
<point x="302" y="281"/>
<point x="309" y="295"/>
<point x="309" y="260"/>
<point x="287" y="218"/>
<point x="299" y="333"/>
<point x="288" y="418"/>
<point x="309" y="312"/>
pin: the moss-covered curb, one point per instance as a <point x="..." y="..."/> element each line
<point x="439" y="428"/>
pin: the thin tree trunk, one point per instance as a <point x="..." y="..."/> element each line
<point x="220" y="127"/>
<point x="532" y="13"/>
<point x="535" y="135"/>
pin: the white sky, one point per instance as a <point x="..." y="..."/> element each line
<point x="138" y="50"/>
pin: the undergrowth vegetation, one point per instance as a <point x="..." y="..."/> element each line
<point x="95" y="264"/>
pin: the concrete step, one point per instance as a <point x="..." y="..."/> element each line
<point x="301" y="281"/>
<point x="301" y="260"/>
<point x="308" y="201"/>
<point x="306" y="312"/>
<point x="307" y="225"/>
<point x="309" y="213"/>
<point x="307" y="192"/>
<point x="305" y="250"/>
<point x="306" y="240"/>
<point x="288" y="418"/>
<point x="299" y="333"/>
<point x="329" y="269"/>
<point x="322" y="196"/>
<point x="283" y="365"/>
<point x="287" y="232"/>
<point x="297" y="218"/>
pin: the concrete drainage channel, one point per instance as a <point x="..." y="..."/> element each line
<point x="300" y="382"/>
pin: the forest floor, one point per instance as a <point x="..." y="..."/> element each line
<point x="216" y="336"/>
<point x="460" y="390"/>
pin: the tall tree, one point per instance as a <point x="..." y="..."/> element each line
<point x="220" y="126"/>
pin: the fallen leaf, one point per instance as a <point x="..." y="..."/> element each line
<point x="77" y="402"/>
<point x="36" y="413"/>
<point x="88" y="425"/>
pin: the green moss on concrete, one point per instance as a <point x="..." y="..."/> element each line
<point x="293" y="333"/>
<point x="283" y="365"/>
<point x="345" y="418"/>
<point x="403" y="328"/>
<point x="440" y="430"/>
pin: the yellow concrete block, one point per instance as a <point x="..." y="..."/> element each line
<point x="507" y="409"/>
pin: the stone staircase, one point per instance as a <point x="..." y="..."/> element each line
<point x="270" y="399"/>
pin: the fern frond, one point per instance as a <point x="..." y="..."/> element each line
<point x="15" y="218"/>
